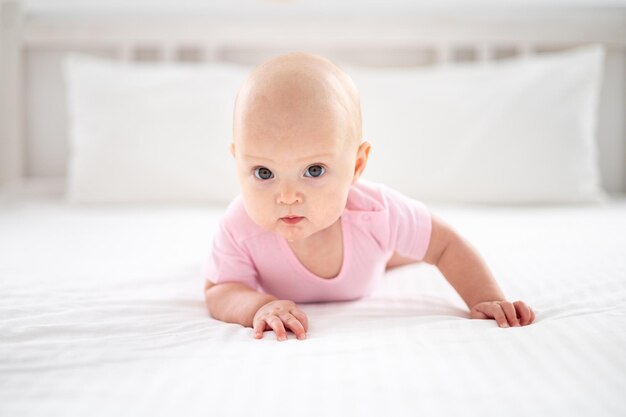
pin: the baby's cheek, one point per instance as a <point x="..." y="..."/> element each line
<point x="332" y="204"/>
<point x="265" y="218"/>
<point x="258" y="211"/>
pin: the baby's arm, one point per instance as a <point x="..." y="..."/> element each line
<point x="238" y="303"/>
<point x="466" y="271"/>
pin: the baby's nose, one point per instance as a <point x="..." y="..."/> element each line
<point x="288" y="195"/>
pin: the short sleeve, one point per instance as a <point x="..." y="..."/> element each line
<point x="229" y="261"/>
<point x="410" y="224"/>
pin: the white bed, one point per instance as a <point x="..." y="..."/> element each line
<point x="101" y="305"/>
<point x="103" y="314"/>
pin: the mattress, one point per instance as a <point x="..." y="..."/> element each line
<point x="102" y="314"/>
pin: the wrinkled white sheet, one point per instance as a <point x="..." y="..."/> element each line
<point x="102" y="314"/>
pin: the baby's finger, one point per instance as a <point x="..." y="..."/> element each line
<point x="294" y="325"/>
<point x="302" y="318"/>
<point x="493" y="311"/>
<point x="499" y="316"/>
<point x="532" y="315"/>
<point x="511" y="315"/>
<point x="259" y="328"/>
<point x="523" y="311"/>
<point x="277" y="325"/>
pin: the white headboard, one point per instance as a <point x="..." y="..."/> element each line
<point x="33" y="140"/>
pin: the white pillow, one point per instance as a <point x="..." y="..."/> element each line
<point x="150" y="133"/>
<point x="515" y="131"/>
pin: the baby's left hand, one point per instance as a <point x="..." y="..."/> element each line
<point x="504" y="313"/>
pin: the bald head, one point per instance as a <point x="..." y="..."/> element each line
<point x="296" y="89"/>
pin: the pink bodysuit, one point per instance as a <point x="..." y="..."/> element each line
<point x="376" y="222"/>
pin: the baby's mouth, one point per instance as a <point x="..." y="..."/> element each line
<point x="291" y="219"/>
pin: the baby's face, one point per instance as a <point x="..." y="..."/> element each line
<point x="296" y="155"/>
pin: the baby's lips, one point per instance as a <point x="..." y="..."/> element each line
<point x="292" y="220"/>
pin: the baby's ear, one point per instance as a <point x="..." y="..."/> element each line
<point x="361" y="160"/>
<point x="232" y="149"/>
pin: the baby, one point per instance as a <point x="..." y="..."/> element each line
<point x="305" y="228"/>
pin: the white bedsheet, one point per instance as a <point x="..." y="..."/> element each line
<point x="102" y="314"/>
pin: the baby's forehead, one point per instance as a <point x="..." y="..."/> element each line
<point x="303" y="87"/>
<point x="293" y="86"/>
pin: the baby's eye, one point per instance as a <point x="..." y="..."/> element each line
<point x="315" y="171"/>
<point x="263" y="173"/>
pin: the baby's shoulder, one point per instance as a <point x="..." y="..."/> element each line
<point x="238" y="223"/>
<point x="370" y="196"/>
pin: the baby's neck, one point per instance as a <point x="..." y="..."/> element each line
<point x="319" y="239"/>
<point x="321" y="253"/>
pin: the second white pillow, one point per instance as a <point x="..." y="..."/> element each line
<point x="516" y="131"/>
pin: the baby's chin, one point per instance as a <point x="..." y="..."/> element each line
<point x="290" y="232"/>
<point x="293" y="233"/>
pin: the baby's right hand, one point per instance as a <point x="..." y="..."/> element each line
<point x="273" y="314"/>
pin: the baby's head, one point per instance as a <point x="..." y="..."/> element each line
<point x="297" y="143"/>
